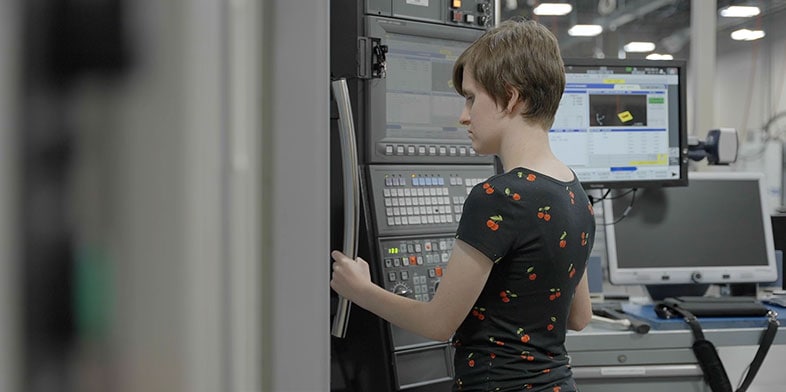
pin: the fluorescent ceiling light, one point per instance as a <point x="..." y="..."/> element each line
<point x="747" y="35"/>
<point x="581" y="30"/>
<point x="639" y="47"/>
<point x="554" y="9"/>
<point x="658" y="56"/>
<point x="738" y="11"/>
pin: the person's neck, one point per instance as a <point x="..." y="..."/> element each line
<point x="526" y="147"/>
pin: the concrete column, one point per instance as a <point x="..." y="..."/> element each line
<point x="296" y="211"/>
<point x="701" y="70"/>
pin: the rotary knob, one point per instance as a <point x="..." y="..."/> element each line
<point x="402" y="290"/>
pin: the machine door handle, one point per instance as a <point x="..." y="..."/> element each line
<point x="349" y="164"/>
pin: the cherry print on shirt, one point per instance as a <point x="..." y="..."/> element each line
<point x="584" y="238"/>
<point x="550" y="326"/>
<point x="531" y="177"/>
<point x="571" y="271"/>
<point x="489" y="189"/>
<point x="525" y="355"/>
<point x="525" y="338"/>
<point x="507" y="295"/>
<point x="515" y="196"/>
<point x="562" y="241"/>
<point x="572" y="195"/>
<point x="543" y="213"/>
<point x="478" y="313"/>
<point x="497" y="342"/>
<point x="555" y="293"/>
<point x="532" y="274"/>
<point x="493" y="222"/>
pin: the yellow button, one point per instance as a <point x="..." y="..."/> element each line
<point x="456" y="3"/>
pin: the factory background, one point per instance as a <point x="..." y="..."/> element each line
<point x="172" y="200"/>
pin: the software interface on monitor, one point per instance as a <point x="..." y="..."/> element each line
<point x="618" y="123"/>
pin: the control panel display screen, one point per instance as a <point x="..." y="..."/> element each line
<point x="420" y="100"/>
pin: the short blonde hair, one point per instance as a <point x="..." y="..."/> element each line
<point x="517" y="54"/>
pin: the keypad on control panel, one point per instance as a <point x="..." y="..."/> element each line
<point x="425" y="200"/>
<point x="415" y="266"/>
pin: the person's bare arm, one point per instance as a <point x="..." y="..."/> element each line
<point x="465" y="275"/>
<point x="581" y="307"/>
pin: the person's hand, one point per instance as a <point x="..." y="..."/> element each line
<point x="350" y="277"/>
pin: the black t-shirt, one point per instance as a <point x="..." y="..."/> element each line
<point x="539" y="232"/>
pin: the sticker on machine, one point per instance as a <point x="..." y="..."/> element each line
<point x="423" y="3"/>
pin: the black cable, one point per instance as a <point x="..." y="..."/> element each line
<point x="627" y="209"/>
<point x="769" y="135"/>
<point x="593" y="200"/>
<point x="623" y="194"/>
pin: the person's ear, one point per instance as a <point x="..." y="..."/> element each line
<point x="513" y="100"/>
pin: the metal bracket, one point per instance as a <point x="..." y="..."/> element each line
<point x="372" y="62"/>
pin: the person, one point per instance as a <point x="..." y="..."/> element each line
<point x="515" y="282"/>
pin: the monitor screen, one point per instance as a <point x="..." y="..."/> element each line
<point x="622" y="123"/>
<point x="413" y="112"/>
<point x="715" y="230"/>
<point x="421" y="102"/>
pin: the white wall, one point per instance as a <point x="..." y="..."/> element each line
<point x="750" y="88"/>
<point x="750" y="78"/>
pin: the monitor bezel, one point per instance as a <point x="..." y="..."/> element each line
<point x="681" y="65"/>
<point x="687" y="275"/>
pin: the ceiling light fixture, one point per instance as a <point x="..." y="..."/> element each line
<point x="552" y="9"/>
<point x="747" y="35"/>
<point x="582" y="30"/>
<point x="658" y="56"/>
<point x="639" y="47"/>
<point x="739" y="11"/>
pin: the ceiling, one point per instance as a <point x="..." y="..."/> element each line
<point x="664" y="22"/>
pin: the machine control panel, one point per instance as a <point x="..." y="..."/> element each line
<point x="471" y="12"/>
<point x="477" y="14"/>
<point x="413" y="267"/>
<point x="418" y="200"/>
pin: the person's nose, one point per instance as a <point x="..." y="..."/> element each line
<point x="464" y="117"/>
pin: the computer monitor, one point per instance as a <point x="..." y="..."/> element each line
<point x="622" y="123"/>
<point x="715" y="230"/>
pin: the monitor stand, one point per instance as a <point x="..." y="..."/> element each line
<point x="660" y="291"/>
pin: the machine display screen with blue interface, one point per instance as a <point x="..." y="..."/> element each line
<point x="715" y="230"/>
<point x="621" y="123"/>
